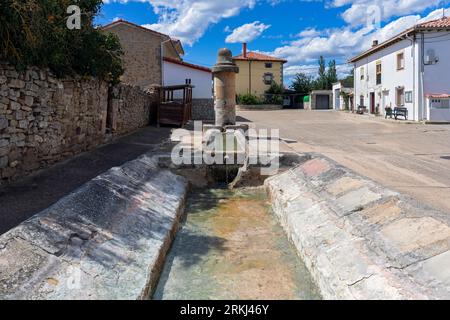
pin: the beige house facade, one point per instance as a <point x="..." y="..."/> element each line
<point x="144" y="50"/>
<point x="257" y="72"/>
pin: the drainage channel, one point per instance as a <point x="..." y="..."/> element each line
<point x="230" y="246"/>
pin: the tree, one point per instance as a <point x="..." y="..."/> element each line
<point x="274" y="95"/>
<point x="322" y="80"/>
<point x="348" y="81"/>
<point x="34" y="32"/>
<point x="302" y="83"/>
<point x="331" y="74"/>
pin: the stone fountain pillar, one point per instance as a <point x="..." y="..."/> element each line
<point x="225" y="89"/>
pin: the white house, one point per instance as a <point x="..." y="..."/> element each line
<point x="341" y="101"/>
<point x="404" y="70"/>
<point x="177" y="72"/>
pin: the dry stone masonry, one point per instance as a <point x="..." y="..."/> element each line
<point x="44" y="120"/>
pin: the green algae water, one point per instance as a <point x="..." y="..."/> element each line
<point x="231" y="247"/>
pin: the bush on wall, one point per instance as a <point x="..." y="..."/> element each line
<point x="34" y="32"/>
<point x="248" y="99"/>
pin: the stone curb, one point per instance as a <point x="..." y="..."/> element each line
<point x="358" y="239"/>
<point x="107" y="240"/>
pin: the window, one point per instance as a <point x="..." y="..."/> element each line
<point x="268" y="65"/>
<point x="408" y="97"/>
<point x="361" y="101"/>
<point x="378" y="71"/>
<point x="361" y="71"/>
<point x="400" y="96"/>
<point x="440" y="104"/>
<point x="268" y="78"/>
<point x="400" y="61"/>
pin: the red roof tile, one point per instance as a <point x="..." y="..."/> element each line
<point x="440" y="23"/>
<point x="438" y="95"/>
<point x="258" y="57"/>
<point x="434" y="25"/>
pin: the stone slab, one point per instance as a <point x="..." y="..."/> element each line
<point x="410" y="234"/>
<point x="359" y="239"/>
<point x="343" y="185"/>
<point x="107" y="240"/>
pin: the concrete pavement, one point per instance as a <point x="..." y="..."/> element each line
<point x="409" y="158"/>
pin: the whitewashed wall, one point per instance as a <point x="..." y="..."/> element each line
<point x="385" y="94"/>
<point x="437" y="76"/>
<point x="435" y="79"/>
<point x="175" y="74"/>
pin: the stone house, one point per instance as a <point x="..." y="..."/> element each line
<point x="144" y="50"/>
<point x="153" y="58"/>
<point x="257" y="72"/>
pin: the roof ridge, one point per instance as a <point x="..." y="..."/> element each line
<point x="137" y="26"/>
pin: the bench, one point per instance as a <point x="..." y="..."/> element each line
<point x="361" y="110"/>
<point x="400" y="112"/>
<point x="396" y="112"/>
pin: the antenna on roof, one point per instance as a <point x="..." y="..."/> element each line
<point x="443" y="12"/>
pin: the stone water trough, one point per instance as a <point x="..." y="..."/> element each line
<point x="109" y="239"/>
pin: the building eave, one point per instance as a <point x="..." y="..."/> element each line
<point x="187" y="65"/>
<point x="401" y="36"/>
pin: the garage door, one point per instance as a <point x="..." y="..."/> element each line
<point x="322" y="102"/>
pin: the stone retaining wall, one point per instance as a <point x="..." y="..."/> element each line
<point x="259" y="107"/>
<point x="131" y="108"/>
<point x="203" y="109"/>
<point x="106" y="241"/>
<point x="359" y="239"/>
<point x="44" y="120"/>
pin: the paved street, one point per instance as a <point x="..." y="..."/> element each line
<point x="410" y="158"/>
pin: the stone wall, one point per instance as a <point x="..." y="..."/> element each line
<point x="259" y="107"/>
<point x="44" y="120"/>
<point x="130" y="108"/>
<point x="359" y="239"/>
<point x="203" y="109"/>
<point x="105" y="241"/>
<point x="142" y="54"/>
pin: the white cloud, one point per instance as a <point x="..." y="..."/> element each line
<point x="247" y="32"/>
<point x="341" y="43"/>
<point x="188" y="20"/>
<point x="363" y="12"/>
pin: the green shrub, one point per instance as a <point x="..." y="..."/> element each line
<point x="248" y="99"/>
<point x="34" y="32"/>
<point x="274" y="95"/>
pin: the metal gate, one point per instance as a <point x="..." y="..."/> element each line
<point x="322" y="102"/>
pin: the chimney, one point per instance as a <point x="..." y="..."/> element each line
<point x="244" y="50"/>
<point x="375" y="43"/>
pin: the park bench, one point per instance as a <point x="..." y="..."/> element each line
<point x="361" y="110"/>
<point x="400" y="112"/>
<point x="396" y="112"/>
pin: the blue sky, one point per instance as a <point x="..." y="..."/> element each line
<point x="299" y="31"/>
